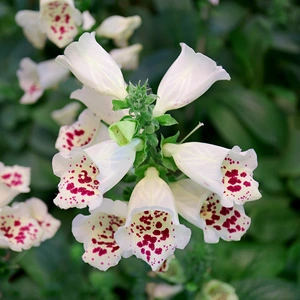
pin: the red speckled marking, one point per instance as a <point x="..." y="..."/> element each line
<point x="237" y="179"/>
<point x="103" y="249"/>
<point x="78" y="184"/>
<point x="12" y="179"/>
<point x="20" y="232"/>
<point x="153" y="233"/>
<point x="228" y="221"/>
<point x="61" y="26"/>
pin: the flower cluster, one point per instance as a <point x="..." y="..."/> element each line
<point x="92" y="159"/>
<point x="24" y="224"/>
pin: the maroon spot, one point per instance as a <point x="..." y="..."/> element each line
<point x="243" y="174"/>
<point x="158" y="225"/>
<point x="234" y="188"/>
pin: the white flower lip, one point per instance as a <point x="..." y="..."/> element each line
<point x="190" y="76"/>
<point x="94" y="67"/>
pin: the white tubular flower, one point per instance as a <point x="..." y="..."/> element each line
<point x="190" y="76"/>
<point x="127" y="58"/>
<point x="152" y="231"/>
<point x="35" y="78"/>
<point x="119" y="28"/>
<point x="87" y="174"/>
<point x="99" y="104"/>
<point x="199" y="161"/>
<point x="237" y="169"/>
<point x="87" y="20"/>
<point x="66" y="115"/>
<point x="29" y="21"/>
<point x="203" y="209"/>
<point x="39" y="211"/>
<point x="94" y="67"/>
<point x="19" y="230"/>
<point x="13" y="181"/>
<point x="162" y="290"/>
<point x="87" y="130"/>
<point x="59" y="20"/>
<point x="96" y="232"/>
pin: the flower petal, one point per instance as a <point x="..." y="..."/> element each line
<point x="199" y="161"/>
<point x="87" y="20"/>
<point x="152" y="231"/>
<point x="39" y="211"/>
<point x="28" y="20"/>
<point x="50" y="73"/>
<point x="119" y="28"/>
<point x="99" y="104"/>
<point x="66" y="115"/>
<point x="78" y="185"/>
<point x="79" y="134"/>
<point x="13" y="180"/>
<point x="29" y="81"/>
<point x="94" y="67"/>
<point x="112" y="161"/>
<point x="127" y="58"/>
<point x="59" y="20"/>
<point x="190" y="76"/>
<point x="237" y="169"/>
<point x="97" y="230"/>
<point x="203" y="209"/>
<point x="18" y="230"/>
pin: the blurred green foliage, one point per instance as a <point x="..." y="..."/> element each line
<point x="258" y="43"/>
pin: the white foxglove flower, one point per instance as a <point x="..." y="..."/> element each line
<point x="87" y="174"/>
<point x="87" y="20"/>
<point x="96" y="232"/>
<point x="203" y="208"/>
<point x="29" y="21"/>
<point x="239" y="185"/>
<point x="199" y="161"/>
<point x="94" y="67"/>
<point x="127" y="58"/>
<point x="99" y="104"/>
<point x="119" y="28"/>
<point x="162" y="290"/>
<point x="19" y="230"/>
<point x="39" y="211"/>
<point x="59" y="20"/>
<point x="35" y="78"/>
<point x="66" y="115"/>
<point x="190" y="76"/>
<point x="152" y="231"/>
<point x="13" y="181"/>
<point x="83" y="133"/>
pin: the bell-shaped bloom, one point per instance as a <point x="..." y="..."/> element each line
<point x="59" y="20"/>
<point x="239" y="185"/>
<point x="29" y="21"/>
<point x="13" y="181"/>
<point x="35" y="78"/>
<point x="99" y="104"/>
<point x="94" y="67"/>
<point x="96" y="232"/>
<point x="87" y="20"/>
<point x="190" y="76"/>
<point x="203" y="208"/>
<point x="66" y="115"/>
<point x="152" y="231"/>
<point x="162" y="290"/>
<point x="127" y="58"/>
<point x="119" y="28"/>
<point x="199" y="161"/>
<point x="87" y="174"/>
<point x="19" y="230"/>
<point x="87" y="130"/>
<point x="39" y="211"/>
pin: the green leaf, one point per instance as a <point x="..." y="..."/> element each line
<point x="119" y="104"/>
<point x="266" y="289"/>
<point x="294" y="186"/>
<point x="166" y="120"/>
<point x="140" y="157"/>
<point x="171" y="139"/>
<point x="169" y="163"/>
